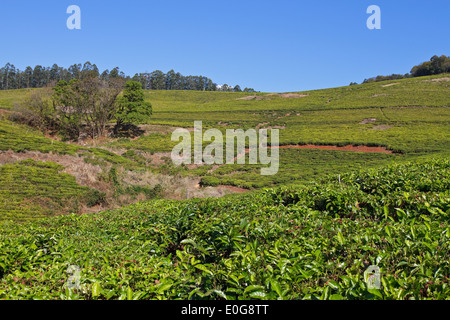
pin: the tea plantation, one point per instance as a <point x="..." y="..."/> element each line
<point x="301" y="242"/>
<point x="32" y="189"/>
<point x="308" y="232"/>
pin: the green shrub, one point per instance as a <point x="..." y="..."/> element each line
<point x="209" y="181"/>
<point x="94" y="197"/>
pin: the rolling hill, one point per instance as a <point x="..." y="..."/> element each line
<point x="113" y="206"/>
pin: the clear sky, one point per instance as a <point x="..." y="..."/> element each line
<point x="271" y="46"/>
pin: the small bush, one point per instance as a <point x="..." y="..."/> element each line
<point x="94" y="197"/>
<point x="209" y="181"/>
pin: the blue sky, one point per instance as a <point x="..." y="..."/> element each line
<point x="272" y="46"/>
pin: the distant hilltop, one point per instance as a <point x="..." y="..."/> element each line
<point x="436" y="65"/>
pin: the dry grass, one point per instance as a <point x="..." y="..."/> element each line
<point x="175" y="187"/>
<point x="260" y="125"/>
<point x="158" y="158"/>
<point x="4" y="112"/>
<point x="379" y="95"/>
<point x="288" y="95"/>
<point x="265" y="125"/>
<point x="381" y="127"/>
<point x="292" y="95"/>
<point x="445" y="79"/>
<point x="254" y="98"/>
<point x="390" y="84"/>
<point x="368" y="120"/>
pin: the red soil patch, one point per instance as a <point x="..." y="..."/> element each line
<point x="353" y="148"/>
<point x="292" y="95"/>
<point x="288" y="95"/>
<point x="329" y="147"/>
<point x="345" y="148"/>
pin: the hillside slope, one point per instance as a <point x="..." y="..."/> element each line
<point x="409" y="118"/>
<point x="304" y="242"/>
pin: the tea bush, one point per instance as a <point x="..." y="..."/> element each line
<point x="299" y="242"/>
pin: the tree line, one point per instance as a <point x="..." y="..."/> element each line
<point x="436" y="65"/>
<point x="39" y="77"/>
